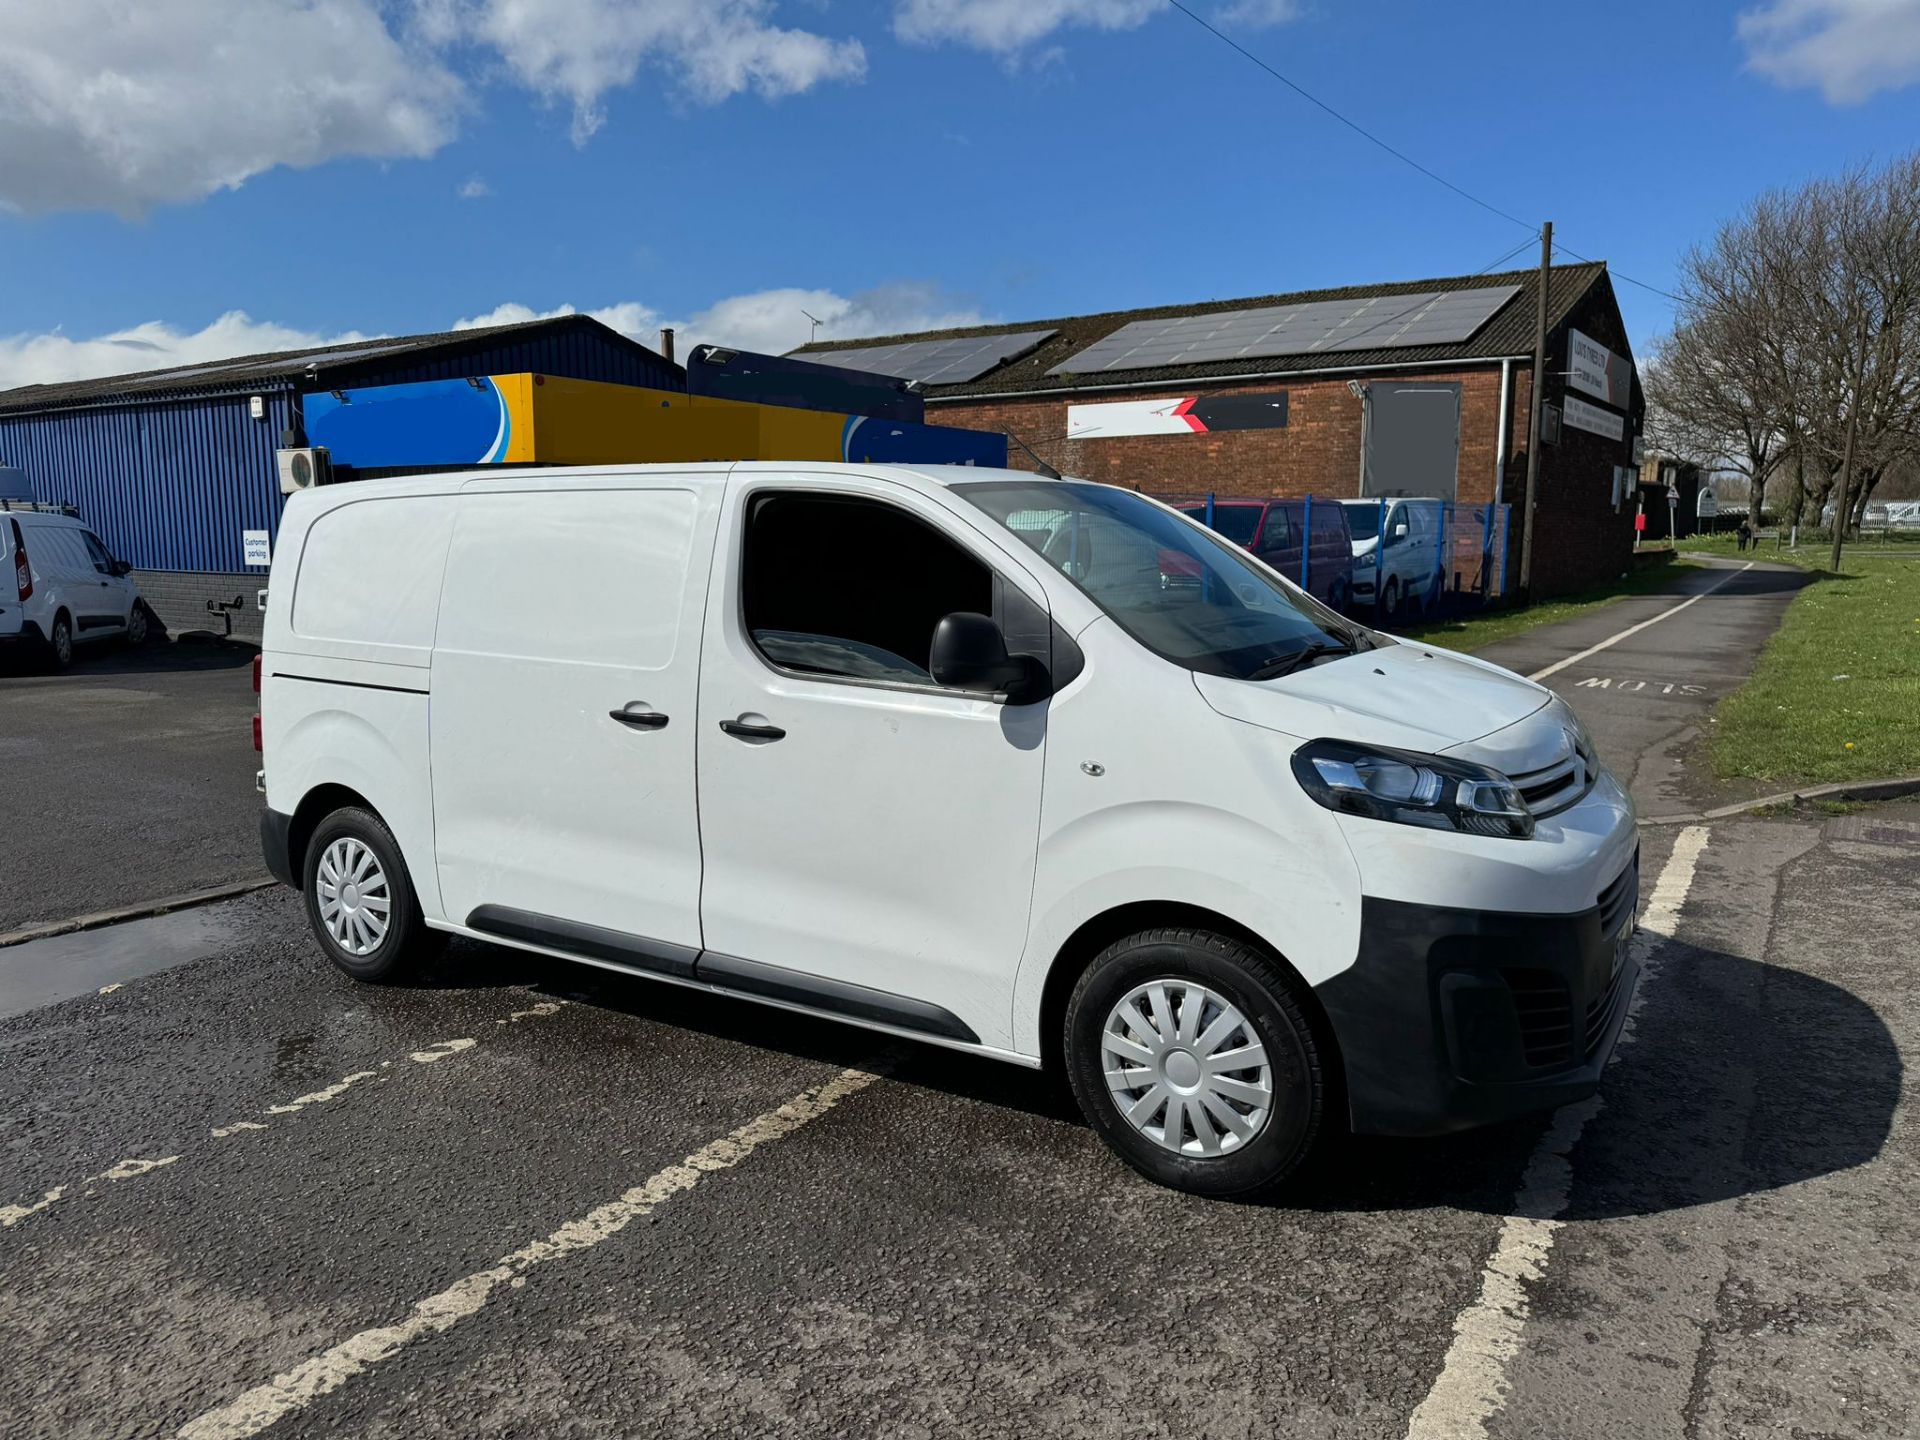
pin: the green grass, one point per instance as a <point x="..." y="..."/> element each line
<point x="1836" y="694"/>
<point x="1474" y="632"/>
<point x="1814" y="551"/>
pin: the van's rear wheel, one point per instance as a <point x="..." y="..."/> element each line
<point x="60" y="641"/>
<point x="360" y="900"/>
<point x="1190" y="1054"/>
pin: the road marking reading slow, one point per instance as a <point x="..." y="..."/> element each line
<point x="256" y="1409"/>
<point x="1472" y="1385"/>
<point x="1612" y="640"/>
<point x="11" y="1215"/>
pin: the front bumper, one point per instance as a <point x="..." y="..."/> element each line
<point x="1451" y="1018"/>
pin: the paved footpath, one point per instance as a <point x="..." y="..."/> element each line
<point x="241" y="1196"/>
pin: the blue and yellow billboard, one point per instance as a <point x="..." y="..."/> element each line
<point x="525" y="418"/>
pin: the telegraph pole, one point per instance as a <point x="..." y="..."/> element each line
<point x="1533" y="426"/>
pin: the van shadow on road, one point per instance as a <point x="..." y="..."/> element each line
<point x="1743" y="1077"/>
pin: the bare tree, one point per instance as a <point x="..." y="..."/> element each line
<point x="1797" y="344"/>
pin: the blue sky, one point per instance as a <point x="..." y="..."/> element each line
<point x="722" y="164"/>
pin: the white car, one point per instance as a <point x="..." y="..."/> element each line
<point x="59" y="586"/>
<point x="1407" y="570"/>
<point x="939" y="752"/>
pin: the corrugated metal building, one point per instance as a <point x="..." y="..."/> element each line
<point x="171" y="467"/>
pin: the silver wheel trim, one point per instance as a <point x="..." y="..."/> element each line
<point x="63" y="642"/>
<point x="1186" y="1068"/>
<point x="137" y="625"/>
<point x="356" y="904"/>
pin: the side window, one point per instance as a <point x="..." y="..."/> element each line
<point x="97" y="553"/>
<point x="1278" y="532"/>
<point x="836" y="585"/>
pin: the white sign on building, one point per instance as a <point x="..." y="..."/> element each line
<point x="1594" y="368"/>
<point x="257" y="546"/>
<point x="1582" y="416"/>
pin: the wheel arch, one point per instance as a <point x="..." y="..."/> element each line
<point x="315" y="806"/>
<point x="1100" y="931"/>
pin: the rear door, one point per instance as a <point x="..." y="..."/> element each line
<point x="565" y="667"/>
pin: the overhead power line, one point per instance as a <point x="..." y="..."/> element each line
<point x="1397" y="154"/>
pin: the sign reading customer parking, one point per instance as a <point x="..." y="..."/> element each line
<point x="1594" y="368"/>
<point x="258" y="547"/>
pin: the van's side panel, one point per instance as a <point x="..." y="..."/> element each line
<point x="565" y="602"/>
<point x="1183" y="809"/>
<point x="352" y="604"/>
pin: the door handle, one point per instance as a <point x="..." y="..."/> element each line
<point x="640" y="719"/>
<point x="745" y="729"/>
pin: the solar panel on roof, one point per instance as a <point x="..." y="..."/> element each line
<point x="936" y="362"/>
<point x="1375" y="322"/>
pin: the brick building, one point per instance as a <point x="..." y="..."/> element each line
<point x="1413" y="388"/>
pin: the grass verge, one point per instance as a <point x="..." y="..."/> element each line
<point x="1473" y="632"/>
<point x="1836" y="695"/>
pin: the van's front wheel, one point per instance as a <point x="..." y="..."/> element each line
<point x="1191" y="1055"/>
<point x="360" y="900"/>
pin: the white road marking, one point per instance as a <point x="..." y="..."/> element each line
<point x="441" y="1051"/>
<point x="11" y="1215"/>
<point x="320" y="1097"/>
<point x="1472" y="1384"/>
<point x="1612" y="640"/>
<point x="256" y="1409"/>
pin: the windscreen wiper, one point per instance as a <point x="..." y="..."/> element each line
<point x="1306" y="655"/>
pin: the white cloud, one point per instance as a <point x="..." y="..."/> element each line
<point x="47" y="358"/>
<point x="1849" y="49"/>
<point x="1007" y="26"/>
<point x="474" y="189"/>
<point x="106" y="105"/>
<point x="578" y="50"/>
<point x="1260" y="12"/>
<point x="768" y="321"/>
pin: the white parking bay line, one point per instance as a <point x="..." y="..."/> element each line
<point x="1613" y="640"/>
<point x="256" y="1409"/>
<point x="1472" y="1384"/>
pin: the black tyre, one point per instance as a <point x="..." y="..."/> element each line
<point x="1390" y="597"/>
<point x="139" y="627"/>
<point x="360" y="899"/>
<point x="1191" y="1055"/>
<point x="60" y="641"/>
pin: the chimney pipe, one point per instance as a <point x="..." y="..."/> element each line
<point x="666" y="342"/>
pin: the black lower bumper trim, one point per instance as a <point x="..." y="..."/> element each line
<point x="1450" y="1019"/>
<point x="275" y="832"/>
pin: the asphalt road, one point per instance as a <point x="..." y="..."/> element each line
<point x="126" y="778"/>
<point x="242" y="1195"/>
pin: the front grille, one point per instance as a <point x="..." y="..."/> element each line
<point x="1545" y="1009"/>
<point x="1560" y="785"/>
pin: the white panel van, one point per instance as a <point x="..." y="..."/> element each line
<point x="942" y="753"/>
<point x="60" y="588"/>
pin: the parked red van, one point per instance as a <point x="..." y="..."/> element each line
<point x="1273" y="529"/>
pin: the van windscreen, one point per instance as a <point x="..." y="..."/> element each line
<point x="1179" y="589"/>
<point x="1363" y="520"/>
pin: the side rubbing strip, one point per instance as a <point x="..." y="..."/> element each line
<point x="750" y="977"/>
<point x="590" y="940"/>
<point x="350" y="684"/>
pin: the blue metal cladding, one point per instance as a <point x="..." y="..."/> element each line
<point x="167" y="486"/>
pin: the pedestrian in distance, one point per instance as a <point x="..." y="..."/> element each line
<point x="1745" y="533"/>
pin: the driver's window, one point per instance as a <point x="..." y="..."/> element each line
<point x="853" y="588"/>
<point x="97" y="553"/>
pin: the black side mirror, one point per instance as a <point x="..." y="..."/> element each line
<point x="970" y="653"/>
<point x="121" y="567"/>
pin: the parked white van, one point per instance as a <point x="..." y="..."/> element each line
<point x="1397" y="560"/>
<point x="59" y="586"/>
<point x="938" y="751"/>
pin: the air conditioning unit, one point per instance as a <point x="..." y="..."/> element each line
<point x="302" y="468"/>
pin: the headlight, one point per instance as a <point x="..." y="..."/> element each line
<point x="1365" y="562"/>
<point x="1412" y="789"/>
